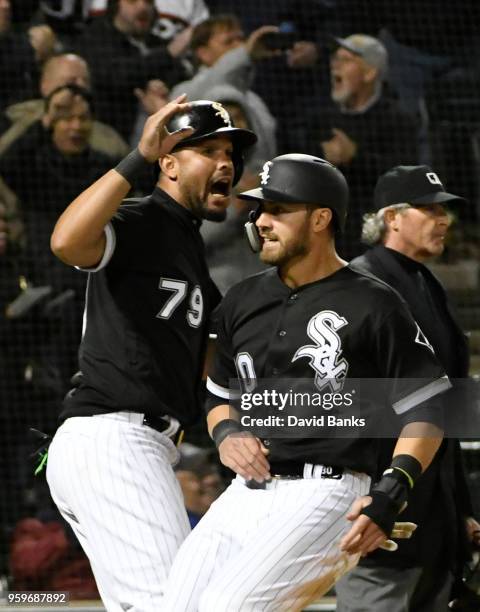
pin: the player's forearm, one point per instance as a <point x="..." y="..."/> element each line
<point x="241" y="452"/>
<point x="421" y="441"/>
<point x="78" y="238"/>
<point x="415" y="448"/>
<point x="219" y="413"/>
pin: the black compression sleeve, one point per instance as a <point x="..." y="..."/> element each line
<point x="223" y="429"/>
<point x="131" y="165"/>
<point x="390" y="495"/>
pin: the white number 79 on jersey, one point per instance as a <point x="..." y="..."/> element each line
<point x="179" y="291"/>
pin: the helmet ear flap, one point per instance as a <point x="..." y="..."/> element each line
<point x="254" y="214"/>
<point x="251" y="229"/>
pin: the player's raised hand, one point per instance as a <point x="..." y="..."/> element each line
<point x="245" y="454"/>
<point x="156" y="140"/>
<point x="364" y="535"/>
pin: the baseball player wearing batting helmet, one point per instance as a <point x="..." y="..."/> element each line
<point x="148" y="302"/>
<point x="301" y="511"/>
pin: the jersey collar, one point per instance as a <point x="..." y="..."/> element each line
<point x="278" y="287"/>
<point x="161" y="197"/>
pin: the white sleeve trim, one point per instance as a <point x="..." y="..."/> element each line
<point x="221" y="391"/>
<point x="422" y="395"/>
<point x="110" y="242"/>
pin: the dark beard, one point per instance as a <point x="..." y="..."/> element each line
<point x="298" y="250"/>
<point x="200" y="210"/>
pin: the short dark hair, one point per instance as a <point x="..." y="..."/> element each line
<point x="203" y="31"/>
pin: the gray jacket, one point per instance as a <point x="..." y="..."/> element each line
<point x="232" y="75"/>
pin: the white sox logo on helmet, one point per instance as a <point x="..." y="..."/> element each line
<point x="222" y="113"/>
<point x="325" y="356"/>
<point x="265" y="173"/>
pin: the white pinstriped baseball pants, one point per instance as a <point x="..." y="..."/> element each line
<point x="112" y="480"/>
<point x="254" y="549"/>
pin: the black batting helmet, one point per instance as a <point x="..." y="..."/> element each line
<point x="209" y="119"/>
<point x="296" y="178"/>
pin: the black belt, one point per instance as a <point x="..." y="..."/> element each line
<point x="161" y="424"/>
<point x="295" y="470"/>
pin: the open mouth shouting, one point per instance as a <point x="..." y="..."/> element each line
<point x="220" y="190"/>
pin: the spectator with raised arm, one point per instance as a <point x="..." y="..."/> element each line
<point x="60" y="70"/>
<point x="362" y="131"/>
<point x="60" y="164"/>
<point x="224" y="57"/>
<point x="124" y="54"/>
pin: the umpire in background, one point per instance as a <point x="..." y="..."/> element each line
<point x="407" y="229"/>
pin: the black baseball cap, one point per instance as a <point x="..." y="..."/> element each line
<point x="415" y="185"/>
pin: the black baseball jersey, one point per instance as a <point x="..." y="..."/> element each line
<point x="346" y="325"/>
<point x="147" y="310"/>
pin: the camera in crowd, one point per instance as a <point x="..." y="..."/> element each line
<point x="282" y="40"/>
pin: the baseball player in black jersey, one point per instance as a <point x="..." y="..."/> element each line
<point x="149" y="297"/>
<point x="301" y="509"/>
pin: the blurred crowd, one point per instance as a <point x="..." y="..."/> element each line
<point x="364" y="84"/>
